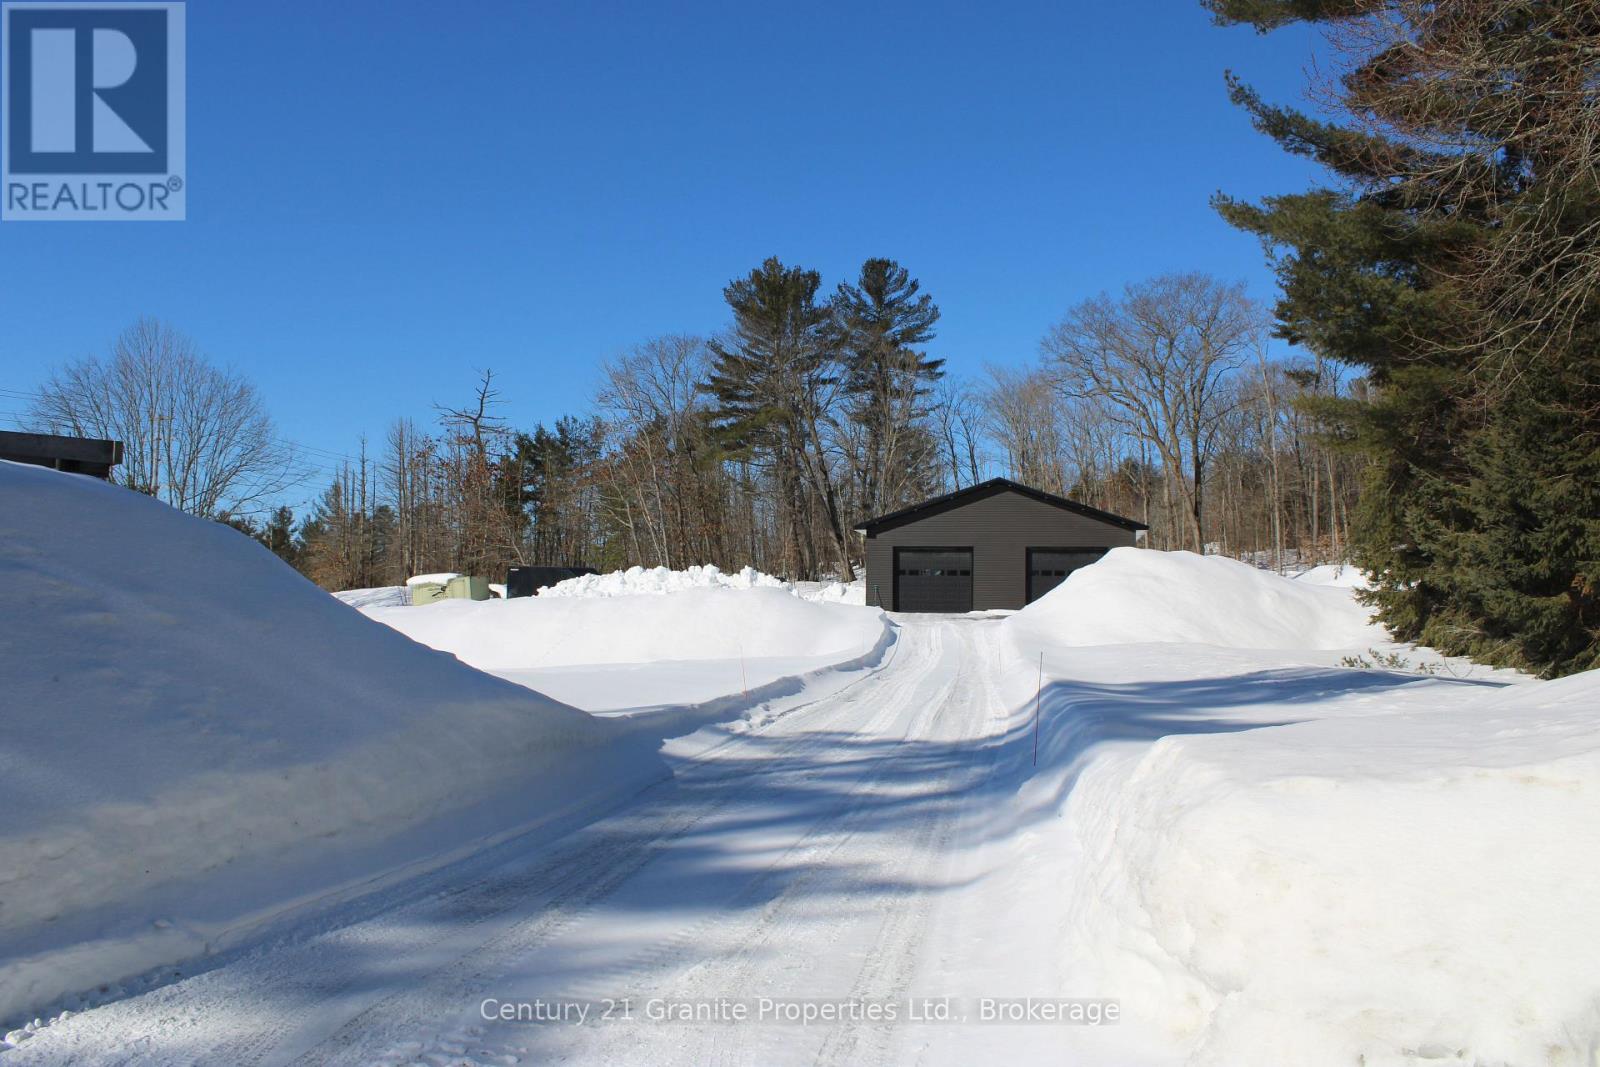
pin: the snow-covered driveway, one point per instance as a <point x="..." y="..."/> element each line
<point x="810" y="858"/>
<point x="1266" y="832"/>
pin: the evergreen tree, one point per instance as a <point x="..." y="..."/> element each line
<point x="547" y="476"/>
<point x="1449" y="263"/>
<point x="345" y="543"/>
<point x="279" y="535"/>
<point x="330" y="534"/>
<point x="243" y="523"/>
<point x="773" y="383"/>
<point x="883" y="320"/>
<point x="1518" y="563"/>
<point x="378" y="537"/>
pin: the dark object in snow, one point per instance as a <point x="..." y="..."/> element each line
<point x="998" y="544"/>
<point x="77" y="455"/>
<point x="526" y="581"/>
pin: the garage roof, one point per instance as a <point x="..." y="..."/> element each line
<point x="981" y="491"/>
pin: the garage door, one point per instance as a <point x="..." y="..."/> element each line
<point x="933" y="579"/>
<point x="1049" y="567"/>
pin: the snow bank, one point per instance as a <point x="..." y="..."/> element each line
<point x="607" y="653"/>
<point x="1136" y="595"/>
<point x="643" y="581"/>
<point x="834" y="592"/>
<point x="1270" y="861"/>
<point x="197" y="737"/>
<point x="636" y="581"/>
<point x="1385" y="889"/>
<point x="707" y="622"/>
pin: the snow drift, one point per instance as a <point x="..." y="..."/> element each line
<point x="1133" y="596"/>
<point x="834" y="592"/>
<point x="1269" y="859"/>
<point x="637" y="581"/>
<point x="1382" y="889"/>
<point x="697" y="637"/>
<point x="695" y="623"/>
<point x="195" y="733"/>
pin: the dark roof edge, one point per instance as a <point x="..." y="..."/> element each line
<point x="984" y="489"/>
<point x="57" y="446"/>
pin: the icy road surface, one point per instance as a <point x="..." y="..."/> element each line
<point x="834" y="854"/>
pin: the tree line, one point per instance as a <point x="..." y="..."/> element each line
<point x="1436" y="419"/>
<point x="768" y="443"/>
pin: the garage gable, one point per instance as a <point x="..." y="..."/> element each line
<point x="974" y="494"/>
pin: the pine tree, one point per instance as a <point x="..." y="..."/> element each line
<point x="773" y="383"/>
<point x="329" y="534"/>
<point x="1522" y="557"/>
<point x="547" y="475"/>
<point x="883" y="320"/>
<point x="1452" y="262"/>
<point x="279" y="535"/>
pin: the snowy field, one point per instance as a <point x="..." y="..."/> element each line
<point x="1266" y="833"/>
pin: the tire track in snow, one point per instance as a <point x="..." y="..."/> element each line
<point x="225" y="1014"/>
<point x="315" y="997"/>
<point x="601" y="871"/>
<point x="743" y="939"/>
<point x="891" y="963"/>
<point x="290" y="948"/>
<point x="746" y="951"/>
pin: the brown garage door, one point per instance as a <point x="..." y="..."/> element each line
<point x="1049" y="567"/>
<point x="933" y="579"/>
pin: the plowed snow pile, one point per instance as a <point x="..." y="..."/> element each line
<point x="636" y="581"/>
<point x="1387" y="889"/>
<point x="1134" y="595"/>
<point x="693" y="623"/>
<point x="1273" y="860"/>
<point x="195" y="735"/>
<point x="834" y="592"/>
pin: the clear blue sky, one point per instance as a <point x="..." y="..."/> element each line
<point x="384" y="197"/>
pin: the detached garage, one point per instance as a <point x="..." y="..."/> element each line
<point x="998" y="544"/>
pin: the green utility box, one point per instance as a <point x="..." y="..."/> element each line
<point x="463" y="587"/>
<point x="426" y="593"/>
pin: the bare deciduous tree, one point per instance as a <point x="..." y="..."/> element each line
<point x="1161" y="357"/>
<point x="194" y="435"/>
<point x="474" y="444"/>
<point x="1024" y="417"/>
<point x="651" y="396"/>
<point x="957" y="423"/>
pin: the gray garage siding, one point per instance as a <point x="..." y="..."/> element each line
<point x="1000" y="529"/>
